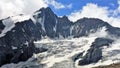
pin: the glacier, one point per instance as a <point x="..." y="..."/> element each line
<point x="61" y="53"/>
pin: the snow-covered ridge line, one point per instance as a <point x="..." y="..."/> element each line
<point x="20" y="18"/>
<point x="10" y="22"/>
<point x="8" y="26"/>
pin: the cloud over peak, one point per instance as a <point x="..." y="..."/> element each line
<point x="92" y="10"/>
<point x="15" y="7"/>
<point x="58" y="5"/>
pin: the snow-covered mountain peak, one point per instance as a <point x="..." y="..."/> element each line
<point x="82" y="42"/>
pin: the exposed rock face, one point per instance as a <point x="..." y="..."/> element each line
<point x="1" y="26"/>
<point x="12" y="45"/>
<point x="52" y="25"/>
<point x="85" y="26"/>
<point x="94" y="54"/>
<point x="63" y="27"/>
<point x="47" y="19"/>
<point x="46" y="23"/>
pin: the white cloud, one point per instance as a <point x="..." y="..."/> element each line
<point x="101" y="32"/>
<point x="90" y="10"/>
<point x="94" y="11"/>
<point x="14" y="7"/>
<point x="58" y="5"/>
<point x="117" y="11"/>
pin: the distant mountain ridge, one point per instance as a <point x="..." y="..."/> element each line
<point x="45" y="23"/>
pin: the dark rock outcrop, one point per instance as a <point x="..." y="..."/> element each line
<point x="85" y="26"/>
<point x="94" y="54"/>
<point x="47" y="19"/>
<point x="52" y="25"/>
<point x="12" y="45"/>
<point x="1" y="26"/>
<point x="77" y="56"/>
<point x="63" y="27"/>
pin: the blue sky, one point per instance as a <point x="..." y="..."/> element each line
<point x="78" y="4"/>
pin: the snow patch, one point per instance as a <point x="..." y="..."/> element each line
<point x="11" y="21"/>
<point x="8" y="26"/>
<point x="39" y="19"/>
<point x="55" y="28"/>
<point x="13" y="47"/>
<point x="20" y="18"/>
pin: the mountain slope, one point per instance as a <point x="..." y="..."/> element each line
<point x="18" y="33"/>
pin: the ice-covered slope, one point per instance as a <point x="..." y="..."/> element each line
<point x="63" y="53"/>
<point x="60" y="51"/>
